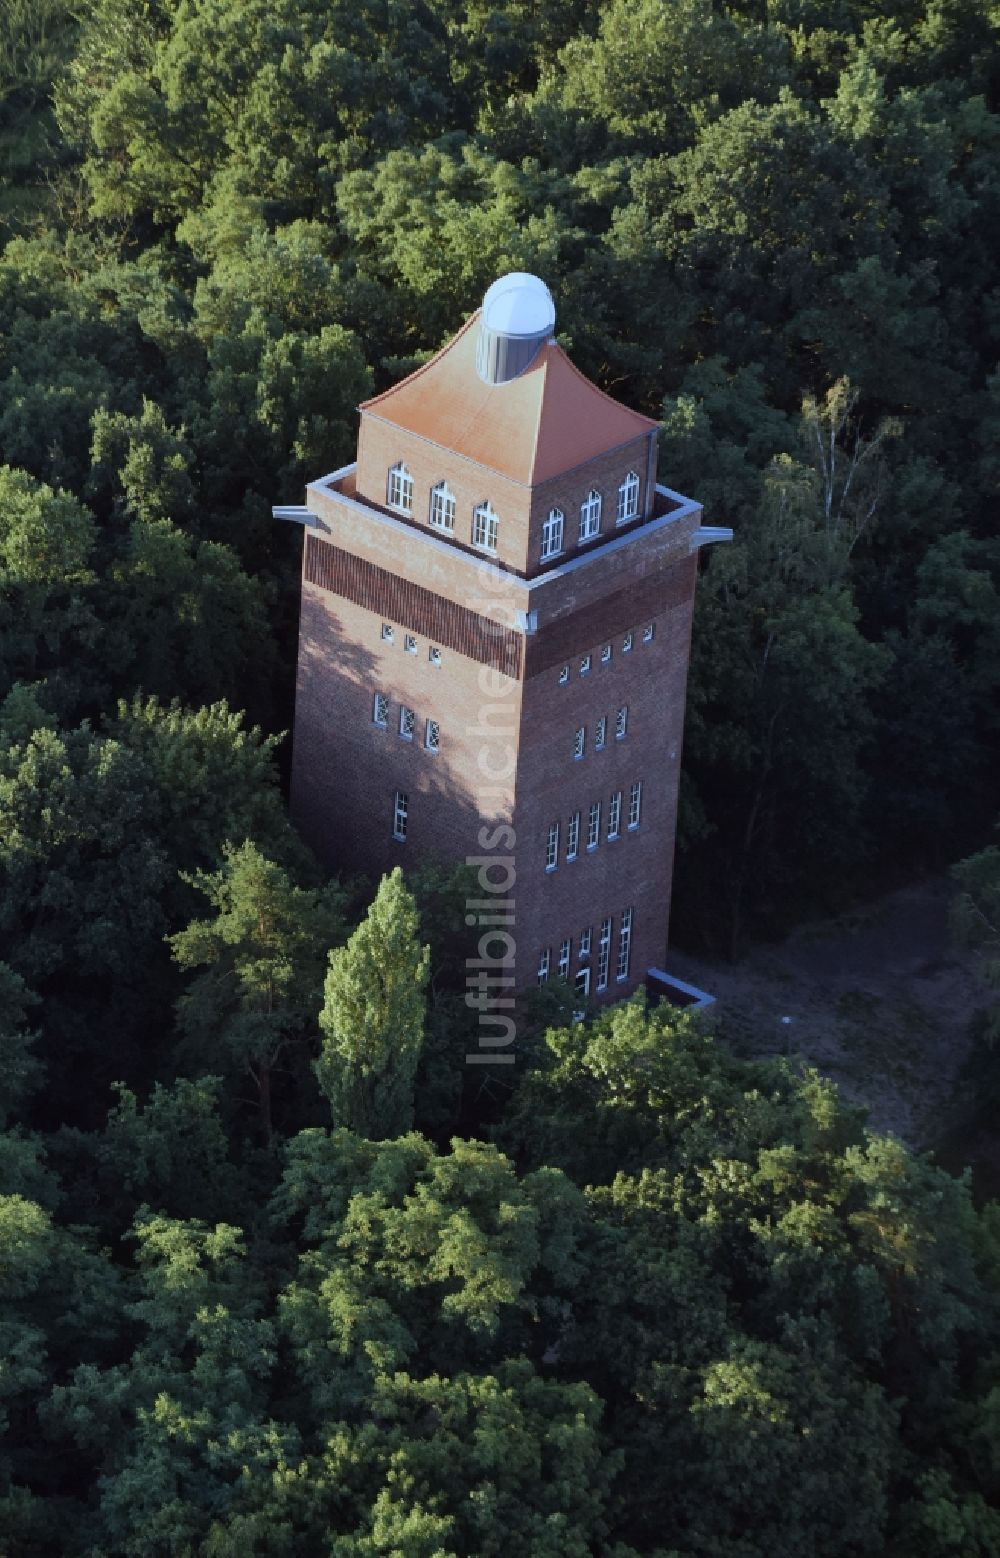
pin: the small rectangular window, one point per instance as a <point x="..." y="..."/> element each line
<point x="604" y="954"/>
<point x="564" y="676"/>
<point x="407" y="720"/>
<point x="647" y="633"/>
<point x="434" y="655"/>
<point x="594" y="826"/>
<point x="580" y="741"/>
<point x="552" y="847"/>
<point x="585" y="936"/>
<point x="380" y="709"/>
<point x="635" y="804"/>
<point x="410" y="644"/>
<point x="605" y="654"/>
<point x="573" y="836"/>
<point x="624" y="945"/>
<point x="582" y="981"/>
<point x="584" y="665"/>
<point x="387" y="632"/>
<point x="627" y="644"/>
<point x="621" y="723"/>
<point x="615" y="815"/>
<point x="601" y="733"/>
<point x="432" y="736"/>
<point x="400" y="816"/>
<point x="543" y="965"/>
<point x="564" y="952"/>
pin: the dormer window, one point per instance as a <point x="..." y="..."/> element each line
<point x="400" y="489"/>
<point x="485" y="525"/>
<point x="628" y="498"/>
<point x="552" y="534"/>
<point x="590" y="515"/>
<point x="442" y="507"/>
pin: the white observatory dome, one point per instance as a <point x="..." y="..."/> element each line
<point x="518" y="317"/>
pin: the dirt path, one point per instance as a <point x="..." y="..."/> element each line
<point x="879" y="1000"/>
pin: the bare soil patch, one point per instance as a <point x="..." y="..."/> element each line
<point x="879" y="999"/>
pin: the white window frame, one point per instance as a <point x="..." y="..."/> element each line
<point x="544" y="959"/>
<point x="387" y="633"/>
<point x="605" y="654"/>
<point x="565" y="951"/>
<point x="581" y="984"/>
<point x="407" y="722"/>
<point x="604" y="953"/>
<point x="573" y="836"/>
<point x="621" y="723"/>
<point x="585" y="664"/>
<point x="409" y="644"/>
<point x="624" y="946"/>
<point x="601" y="733"/>
<point x="564" y="676"/>
<point x="628" y="499"/>
<point x="647" y="632"/>
<point x="585" y="940"/>
<point x="615" y="815"/>
<point x="399" y="488"/>
<point x="580" y="742"/>
<point x="627" y="644"/>
<point x="432" y="736"/>
<point x="590" y="515"/>
<point x="442" y="509"/>
<point x="594" y="825"/>
<point x="552" y="534"/>
<point x="434" y="655"/>
<point x="485" y="527"/>
<point x="635" y="805"/>
<point x="400" y="816"/>
<point x="552" y="847"/>
<point x="380" y="710"/>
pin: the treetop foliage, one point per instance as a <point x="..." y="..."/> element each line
<point x="277" y="1275"/>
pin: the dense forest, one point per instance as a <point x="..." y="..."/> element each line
<point x="276" y="1275"/>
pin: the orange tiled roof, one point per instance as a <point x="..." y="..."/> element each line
<point x="546" y="421"/>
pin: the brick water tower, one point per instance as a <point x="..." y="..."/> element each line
<point x="493" y="645"/>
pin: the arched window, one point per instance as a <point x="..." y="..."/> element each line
<point x="400" y="489"/>
<point x="442" y="507"/>
<point x="485" y="525"/>
<point x="628" y="498"/>
<point x="552" y="534"/>
<point x="590" y="515"/>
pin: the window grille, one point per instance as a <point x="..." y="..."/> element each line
<point x="485" y="527"/>
<point x="552" y="534"/>
<point x="400" y="489"/>
<point x="590" y="515"/>
<point x="628" y="498"/>
<point x="442" y="507"/>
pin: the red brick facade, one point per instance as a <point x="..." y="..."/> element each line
<point x="507" y="689"/>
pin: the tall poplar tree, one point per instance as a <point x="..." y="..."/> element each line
<point x="373" y="1017"/>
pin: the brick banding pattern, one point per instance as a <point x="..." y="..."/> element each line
<point x="442" y="621"/>
<point x="628" y="608"/>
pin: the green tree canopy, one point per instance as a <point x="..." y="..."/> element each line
<point x="373" y="1016"/>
